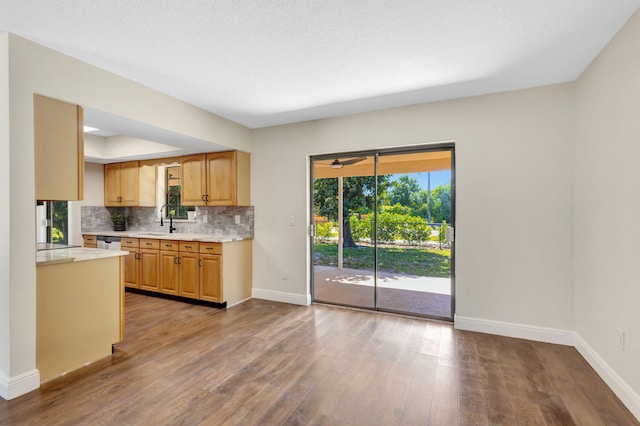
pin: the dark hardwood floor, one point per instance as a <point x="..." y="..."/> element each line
<point x="270" y="363"/>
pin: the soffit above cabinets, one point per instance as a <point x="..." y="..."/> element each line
<point x="128" y="140"/>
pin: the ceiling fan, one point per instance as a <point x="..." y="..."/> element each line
<point x="337" y="164"/>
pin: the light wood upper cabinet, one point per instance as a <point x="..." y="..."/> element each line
<point x="221" y="179"/>
<point x="216" y="179"/>
<point x="58" y="149"/>
<point x="128" y="184"/>
<point x="194" y="180"/>
<point x="112" y="184"/>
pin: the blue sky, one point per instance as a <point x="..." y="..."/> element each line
<point x="437" y="178"/>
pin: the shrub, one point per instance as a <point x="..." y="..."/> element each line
<point x="391" y="227"/>
<point x="442" y="234"/>
<point x="361" y="229"/>
<point x="326" y="230"/>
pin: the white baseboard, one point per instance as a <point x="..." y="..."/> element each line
<point x="628" y="396"/>
<point x="281" y="296"/>
<point x="520" y="331"/>
<point x="13" y="387"/>
<point x="237" y="303"/>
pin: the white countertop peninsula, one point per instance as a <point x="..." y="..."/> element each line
<point x="79" y="306"/>
<point x="74" y="254"/>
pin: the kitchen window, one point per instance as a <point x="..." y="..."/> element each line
<point x="52" y="222"/>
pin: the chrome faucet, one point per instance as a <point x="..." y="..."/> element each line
<point x="171" y="227"/>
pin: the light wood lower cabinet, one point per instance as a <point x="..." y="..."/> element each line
<point x="212" y="272"/>
<point x="90" y="241"/>
<point x="149" y="259"/>
<point x="180" y="270"/>
<point x="210" y="278"/>
<point x="169" y="272"/>
<point x="131" y="262"/>
<point x="189" y="283"/>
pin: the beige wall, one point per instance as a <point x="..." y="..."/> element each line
<point x="93" y="196"/>
<point x="514" y="154"/>
<point x="36" y="69"/>
<point x="5" y="237"/>
<point x="607" y="233"/>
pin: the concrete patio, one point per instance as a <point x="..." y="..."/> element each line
<point x="424" y="296"/>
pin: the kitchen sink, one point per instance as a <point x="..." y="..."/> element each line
<point x="154" y="234"/>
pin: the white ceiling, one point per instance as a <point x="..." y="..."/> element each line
<point x="262" y="62"/>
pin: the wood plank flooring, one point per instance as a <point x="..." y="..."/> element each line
<point x="268" y="363"/>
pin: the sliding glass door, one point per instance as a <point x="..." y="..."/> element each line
<point x="344" y="271"/>
<point x="414" y="234"/>
<point x="383" y="235"/>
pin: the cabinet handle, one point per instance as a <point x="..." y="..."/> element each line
<point x="199" y="262"/>
<point x="148" y="244"/>
<point x="168" y="245"/>
<point x="209" y="248"/>
<point x="175" y="260"/>
<point x="187" y="247"/>
<point x="207" y="198"/>
<point x="179" y="260"/>
<point x="203" y="198"/>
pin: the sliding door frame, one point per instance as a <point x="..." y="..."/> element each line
<point x="376" y="153"/>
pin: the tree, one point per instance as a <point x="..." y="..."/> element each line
<point x="358" y="197"/>
<point x="406" y="191"/>
<point x="441" y="204"/>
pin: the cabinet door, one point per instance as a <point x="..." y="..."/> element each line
<point x="169" y="272"/>
<point x="150" y="269"/>
<point x="189" y="275"/>
<point x="58" y="149"/>
<point x="221" y="179"/>
<point x="194" y="180"/>
<point x="132" y="269"/>
<point x="211" y="278"/>
<point x="130" y="183"/>
<point x="112" y="185"/>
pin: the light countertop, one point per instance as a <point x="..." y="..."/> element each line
<point x="207" y="238"/>
<point x="76" y="254"/>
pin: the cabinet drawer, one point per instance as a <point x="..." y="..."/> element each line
<point x="146" y="243"/>
<point x="91" y="240"/>
<point x="189" y="246"/>
<point x="130" y="242"/>
<point x="211" y="248"/>
<point x="171" y="245"/>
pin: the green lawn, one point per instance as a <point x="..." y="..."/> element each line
<point x="405" y="260"/>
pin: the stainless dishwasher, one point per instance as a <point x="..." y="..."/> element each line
<point x="107" y="242"/>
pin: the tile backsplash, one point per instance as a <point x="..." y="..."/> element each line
<point x="220" y="220"/>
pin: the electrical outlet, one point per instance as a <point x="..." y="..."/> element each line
<point x="285" y="274"/>
<point x="621" y="338"/>
<point x="237" y="219"/>
<point x="292" y="221"/>
<point x="205" y="218"/>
